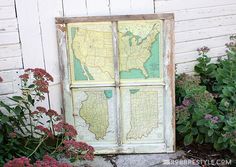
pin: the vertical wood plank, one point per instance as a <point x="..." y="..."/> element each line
<point x="120" y="7"/>
<point x="30" y="33"/>
<point x="117" y="79"/>
<point x="75" y="7"/>
<point x="98" y="7"/>
<point x="55" y="97"/>
<point x="47" y="13"/>
<point x="123" y="7"/>
<point x="142" y="6"/>
<point x="169" y="74"/>
<point x="65" y="73"/>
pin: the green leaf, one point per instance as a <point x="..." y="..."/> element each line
<point x="4" y="119"/>
<point x="17" y="110"/>
<point x="200" y="139"/>
<point x="210" y="132"/>
<point x="31" y="86"/>
<point x="17" y="97"/>
<point x="201" y="122"/>
<point x="197" y="115"/>
<point x="31" y="100"/>
<point x="188" y="139"/>
<point x="1" y="137"/>
<point x="226" y="92"/>
<point x="220" y="140"/>
<point x="5" y="106"/>
<point x="194" y="131"/>
<point x="218" y="146"/>
<point x="182" y="128"/>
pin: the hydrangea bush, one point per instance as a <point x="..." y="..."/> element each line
<point x="34" y="135"/>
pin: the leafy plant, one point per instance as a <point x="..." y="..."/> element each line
<point x="205" y="69"/>
<point x="206" y="102"/>
<point x="197" y="116"/>
<point x="28" y="130"/>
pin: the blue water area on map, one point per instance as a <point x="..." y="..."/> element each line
<point x="79" y="72"/>
<point x="108" y="93"/>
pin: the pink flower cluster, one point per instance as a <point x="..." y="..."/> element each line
<point x="44" y="130"/>
<point x="61" y="127"/>
<point x="203" y="50"/>
<point x="185" y="104"/>
<point x="46" y="162"/>
<point x="65" y="128"/>
<point x="40" y="73"/>
<point x="213" y="119"/>
<point x="19" y="162"/>
<point x="41" y="77"/>
<point x="77" y="149"/>
<point x="42" y="110"/>
<point x="50" y="162"/>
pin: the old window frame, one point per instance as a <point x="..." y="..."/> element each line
<point x="168" y="76"/>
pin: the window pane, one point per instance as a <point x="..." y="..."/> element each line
<point x="142" y="114"/>
<point x="95" y="114"/>
<point x="91" y="52"/>
<point x="140" y="49"/>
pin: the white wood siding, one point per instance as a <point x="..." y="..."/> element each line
<point x="30" y="39"/>
<point x="10" y="51"/>
<point x="199" y="23"/>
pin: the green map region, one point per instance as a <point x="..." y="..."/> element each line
<point x="91" y="51"/>
<point x="95" y="111"/>
<point x="151" y="65"/>
<point x="108" y="93"/>
<point x="139" y="48"/>
<point x="80" y="72"/>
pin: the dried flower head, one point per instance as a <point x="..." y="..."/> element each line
<point x="51" y="113"/>
<point x="203" y="50"/>
<point x="41" y="109"/>
<point x="213" y="119"/>
<point x="24" y="77"/>
<point x="187" y="102"/>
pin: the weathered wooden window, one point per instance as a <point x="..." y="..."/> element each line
<point x="118" y="81"/>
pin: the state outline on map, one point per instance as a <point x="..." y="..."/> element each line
<point x="99" y="61"/>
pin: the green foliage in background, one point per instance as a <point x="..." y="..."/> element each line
<point x="206" y="102"/>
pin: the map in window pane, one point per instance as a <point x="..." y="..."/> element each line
<point x="140" y="49"/>
<point x="95" y="114"/>
<point x="91" y="52"/>
<point x="142" y="114"/>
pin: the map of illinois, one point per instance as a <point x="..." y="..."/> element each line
<point x="92" y="50"/>
<point x="94" y="111"/>
<point x="139" y="48"/>
<point x="144" y="113"/>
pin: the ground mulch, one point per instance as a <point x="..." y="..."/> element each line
<point x="206" y="153"/>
